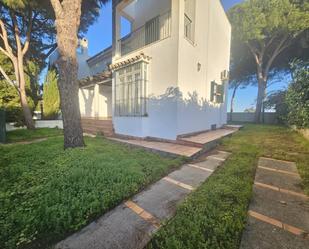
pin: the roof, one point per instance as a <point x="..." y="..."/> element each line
<point x="103" y="53"/>
<point x="140" y="57"/>
<point x="105" y="76"/>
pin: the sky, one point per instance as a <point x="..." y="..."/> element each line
<point x="99" y="36"/>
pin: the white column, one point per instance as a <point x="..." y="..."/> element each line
<point x="96" y="101"/>
<point x="118" y="34"/>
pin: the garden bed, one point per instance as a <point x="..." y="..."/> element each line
<point x="47" y="193"/>
<point x="214" y="216"/>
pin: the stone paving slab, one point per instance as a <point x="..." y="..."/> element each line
<point x="118" y="229"/>
<point x="277" y="164"/>
<point x="209" y="136"/>
<point x="292" y="209"/>
<point x="277" y="218"/>
<point x="209" y="163"/>
<point x="260" y="235"/>
<point x="283" y="181"/>
<point x="161" y="199"/>
<point x="222" y="154"/>
<point x="164" y="147"/>
<point x="131" y="225"/>
<point x="190" y="176"/>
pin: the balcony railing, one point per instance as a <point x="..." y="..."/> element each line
<point x="154" y="30"/>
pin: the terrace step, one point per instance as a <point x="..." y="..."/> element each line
<point x="207" y="139"/>
<point x="95" y="126"/>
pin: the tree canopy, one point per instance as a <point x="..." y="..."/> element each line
<point x="28" y="33"/>
<point x="297" y="95"/>
<point x="265" y="34"/>
<point x="9" y="98"/>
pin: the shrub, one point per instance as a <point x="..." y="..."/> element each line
<point x="277" y="101"/>
<point x="9" y="101"/>
<point x="51" y="99"/>
<point x="297" y="97"/>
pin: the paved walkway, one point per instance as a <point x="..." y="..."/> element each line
<point x="163" y="147"/>
<point x="34" y="141"/>
<point x="278" y="215"/>
<point x="190" y="146"/>
<point x="131" y="224"/>
<point x="206" y="137"/>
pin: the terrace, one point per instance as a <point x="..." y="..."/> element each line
<point x="146" y="27"/>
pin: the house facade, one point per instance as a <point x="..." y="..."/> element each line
<point x="168" y="77"/>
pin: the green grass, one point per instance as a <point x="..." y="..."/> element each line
<point x="27" y="135"/>
<point x="214" y="216"/>
<point x="47" y="193"/>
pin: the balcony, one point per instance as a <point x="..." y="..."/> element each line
<point x="154" y="30"/>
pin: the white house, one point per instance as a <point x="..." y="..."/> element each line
<point x="168" y="77"/>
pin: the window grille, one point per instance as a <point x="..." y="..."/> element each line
<point x="130" y="90"/>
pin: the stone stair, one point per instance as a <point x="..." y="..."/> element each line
<point x="207" y="140"/>
<point x="98" y="126"/>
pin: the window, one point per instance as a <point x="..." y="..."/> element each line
<point x="189" y="19"/>
<point x="130" y="90"/>
<point x="217" y="92"/>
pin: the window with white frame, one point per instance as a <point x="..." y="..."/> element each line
<point x="130" y="90"/>
<point x="189" y="19"/>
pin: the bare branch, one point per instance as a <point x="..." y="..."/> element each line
<point x="4" y="36"/>
<point x="254" y="53"/>
<point x="7" y="78"/>
<point x="57" y="7"/>
<point x="29" y="30"/>
<point x="5" y="52"/>
<point x="283" y="44"/>
<point x="17" y="34"/>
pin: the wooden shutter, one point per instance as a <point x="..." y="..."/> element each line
<point x="220" y="93"/>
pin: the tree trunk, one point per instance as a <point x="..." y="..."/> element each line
<point x="260" y="99"/>
<point x="23" y="96"/>
<point x="67" y="25"/>
<point x="26" y="110"/>
<point x="232" y="102"/>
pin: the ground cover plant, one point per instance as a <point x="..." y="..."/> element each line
<point x="214" y="216"/>
<point x="28" y="135"/>
<point x="47" y="193"/>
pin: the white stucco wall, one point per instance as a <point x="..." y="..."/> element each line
<point x="96" y="101"/>
<point x="162" y="73"/>
<point x="210" y="49"/>
<point x="49" y="124"/>
<point x="174" y="65"/>
<point x="105" y="101"/>
<point x="86" y="101"/>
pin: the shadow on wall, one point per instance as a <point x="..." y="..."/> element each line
<point x="192" y="112"/>
<point x="88" y="101"/>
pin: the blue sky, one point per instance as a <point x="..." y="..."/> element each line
<point x="100" y="36"/>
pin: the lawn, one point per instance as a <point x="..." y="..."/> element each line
<point x="27" y="135"/>
<point x="47" y="193"/>
<point x="214" y="216"/>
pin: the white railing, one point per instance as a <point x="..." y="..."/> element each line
<point x="154" y="30"/>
